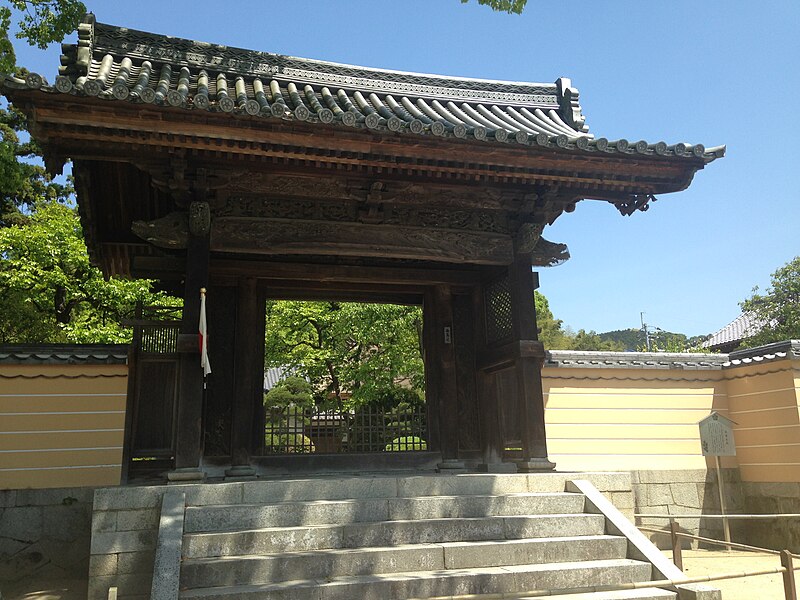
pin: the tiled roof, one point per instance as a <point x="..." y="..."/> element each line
<point x="124" y="65"/>
<point x="634" y="360"/>
<point x="106" y="354"/>
<point x="777" y="351"/>
<point x="743" y="326"/>
<point x="275" y="374"/>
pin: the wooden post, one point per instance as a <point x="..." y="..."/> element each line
<point x="431" y="360"/>
<point x="443" y="346"/>
<point x="721" y="489"/>
<point x="248" y="377"/>
<point x="528" y="367"/>
<point x="677" y="555"/>
<point x="789" y="586"/>
<point x="189" y="433"/>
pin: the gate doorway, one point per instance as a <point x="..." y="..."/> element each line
<point x="343" y="378"/>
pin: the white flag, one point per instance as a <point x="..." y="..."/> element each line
<point x="204" y="336"/>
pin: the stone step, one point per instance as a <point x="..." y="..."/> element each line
<point x="428" y="584"/>
<point x="326" y="565"/>
<point x="293" y="514"/>
<point x="642" y="594"/>
<point x="300" y="489"/>
<point x="388" y="533"/>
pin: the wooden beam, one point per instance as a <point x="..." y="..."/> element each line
<point x="414" y="276"/>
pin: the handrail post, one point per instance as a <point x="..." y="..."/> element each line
<point x="677" y="556"/>
<point x="789" y="587"/>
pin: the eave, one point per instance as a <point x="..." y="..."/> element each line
<point x="88" y="128"/>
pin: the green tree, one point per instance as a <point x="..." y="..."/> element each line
<point x="778" y="309"/>
<point x="551" y="332"/>
<point x="49" y="291"/>
<point x="363" y="352"/>
<point x="41" y="22"/>
<point x="291" y="391"/>
<point x="591" y="340"/>
<point x="23" y="183"/>
<point x="510" y="6"/>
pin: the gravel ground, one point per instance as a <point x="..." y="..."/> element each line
<point x="697" y="563"/>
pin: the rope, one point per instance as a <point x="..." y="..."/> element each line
<point x="609" y="588"/>
<point x="713" y="541"/>
<point x="757" y="516"/>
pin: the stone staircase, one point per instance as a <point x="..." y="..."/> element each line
<point x="398" y="538"/>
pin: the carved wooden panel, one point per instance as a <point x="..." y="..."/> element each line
<point x="288" y="236"/>
<point x="371" y="211"/>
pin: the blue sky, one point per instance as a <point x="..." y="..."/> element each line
<point x="711" y="72"/>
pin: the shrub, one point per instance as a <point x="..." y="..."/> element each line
<point x="406" y="443"/>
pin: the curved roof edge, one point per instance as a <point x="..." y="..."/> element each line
<point x="125" y="65"/>
<point x="90" y="354"/>
<point x="634" y="360"/>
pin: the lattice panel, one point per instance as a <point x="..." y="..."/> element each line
<point x="293" y="430"/>
<point x="497" y="305"/>
<point x="160" y="339"/>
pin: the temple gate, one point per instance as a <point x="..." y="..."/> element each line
<point x="261" y="176"/>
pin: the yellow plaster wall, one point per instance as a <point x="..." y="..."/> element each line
<point x="629" y="419"/>
<point x="763" y="400"/>
<point x="61" y="425"/>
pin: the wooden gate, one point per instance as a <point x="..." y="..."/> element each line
<point x="154" y="369"/>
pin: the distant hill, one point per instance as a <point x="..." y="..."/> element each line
<point x="633" y="340"/>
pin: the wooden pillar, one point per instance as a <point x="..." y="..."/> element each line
<point x="188" y="439"/>
<point x="248" y="376"/>
<point x="445" y="363"/>
<point x="530" y="358"/>
<point x="431" y="359"/>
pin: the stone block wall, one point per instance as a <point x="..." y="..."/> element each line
<point x="773" y="498"/>
<point x="124" y="532"/>
<point x="44" y="534"/>
<point x="688" y="492"/>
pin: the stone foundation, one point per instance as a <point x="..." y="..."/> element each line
<point x="45" y="534"/>
<point x="773" y="498"/>
<point x="687" y="492"/>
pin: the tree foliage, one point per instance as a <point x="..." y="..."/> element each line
<point x="49" y="291"/>
<point x="23" y="182"/>
<point x="41" y="22"/>
<point x="353" y="353"/>
<point x="514" y="7"/>
<point x="291" y="391"/>
<point x="778" y="309"/>
<point x="555" y="337"/>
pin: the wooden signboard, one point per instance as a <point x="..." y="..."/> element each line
<point x="716" y="435"/>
